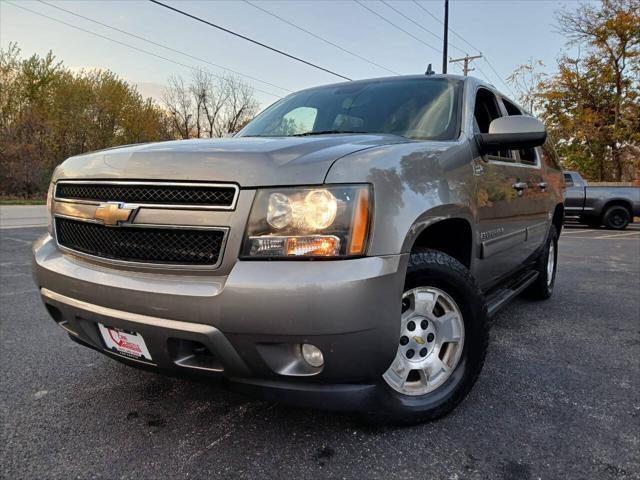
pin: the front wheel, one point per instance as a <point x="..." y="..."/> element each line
<point x="442" y="341"/>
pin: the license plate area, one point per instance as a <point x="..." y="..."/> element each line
<point x="127" y="343"/>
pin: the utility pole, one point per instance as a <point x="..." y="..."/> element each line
<point x="466" y="59"/>
<point x="445" y="36"/>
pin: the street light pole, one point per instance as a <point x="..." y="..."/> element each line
<point x="446" y="36"/>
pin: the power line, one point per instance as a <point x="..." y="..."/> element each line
<point x="472" y="46"/>
<point x="231" y="32"/>
<point x="483" y="74"/>
<point x="419" y="25"/>
<point x="450" y="29"/>
<point x="394" y="25"/>
<point x="125" y="44"/>
<point x="319" y="37"/>
<point x="499" y="77"/>
<point x="164" y="46"/>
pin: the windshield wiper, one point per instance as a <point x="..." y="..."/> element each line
<point x="324" y="132"/>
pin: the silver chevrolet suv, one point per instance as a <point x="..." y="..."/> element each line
<point x="344" y="250"/>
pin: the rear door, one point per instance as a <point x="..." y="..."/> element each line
<point x="501" y="188"/>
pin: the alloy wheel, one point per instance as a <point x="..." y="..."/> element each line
<point x="431" y="342"/>
<point x="551" y="263"/>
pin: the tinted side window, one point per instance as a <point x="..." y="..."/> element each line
<point x="486" y="109"/>
<point x="568" y="180"/>
<point x="527" y="155"/>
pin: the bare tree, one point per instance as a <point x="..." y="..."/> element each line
<point x="216" y="98"/>
<point x="240" y="107"/>
<point x="209" y="106"/>
<point x="199" y="88"/>
<point x="177" y="99"/>
<point x="527" y="80"/>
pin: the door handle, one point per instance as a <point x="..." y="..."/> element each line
<point x="519" y="187"/>
<point x="542" y="186"/>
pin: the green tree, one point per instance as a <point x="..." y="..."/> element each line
<point x="48" y="113"/>
<point x="592" y="103"/>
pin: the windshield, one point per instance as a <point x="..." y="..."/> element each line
<point x="417" y="108"/>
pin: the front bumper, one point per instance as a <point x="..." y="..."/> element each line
<point x="251" y="321"/>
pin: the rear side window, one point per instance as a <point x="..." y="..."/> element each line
<point x="486" y="110"/>
<point x="568" y="180"/>
<point x="527" y="155"/>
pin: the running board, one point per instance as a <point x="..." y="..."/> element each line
<point x="501" y="296"/>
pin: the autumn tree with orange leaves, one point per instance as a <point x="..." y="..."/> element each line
<point x="591" y="105"/>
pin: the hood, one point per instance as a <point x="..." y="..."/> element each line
<point x="248" y="161"/>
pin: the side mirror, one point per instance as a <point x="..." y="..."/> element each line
<point x="513" y="132"/>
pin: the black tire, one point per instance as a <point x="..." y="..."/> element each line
<point x="542" y="288"/>
<point x="616" y="217"/>
<point x="436" y="269"/>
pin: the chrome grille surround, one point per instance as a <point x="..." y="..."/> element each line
<point x="196" y="226"/>
<point x="209" y="196"/>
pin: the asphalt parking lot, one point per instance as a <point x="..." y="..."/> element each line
<point x="559" y="396"/>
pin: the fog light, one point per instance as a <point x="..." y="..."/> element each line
<point x="312" y="355"/>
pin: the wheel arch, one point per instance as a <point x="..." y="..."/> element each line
<point x="615" y="202"/>
<point x="558" y="218"/>
<point x="450" y="234"/>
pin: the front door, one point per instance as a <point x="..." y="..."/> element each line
<point x="536" y="195"/>
<point x="501" y="183"/>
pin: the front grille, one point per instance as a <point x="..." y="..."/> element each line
<point x="135" y="244"/>
<point x="221" y="196"/>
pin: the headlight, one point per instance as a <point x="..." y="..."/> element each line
<point x="309" y="222"/>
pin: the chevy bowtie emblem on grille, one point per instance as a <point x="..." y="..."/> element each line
<point x="112" y="214"/>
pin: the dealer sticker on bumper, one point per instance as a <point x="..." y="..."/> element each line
<point x="130" y="344"/>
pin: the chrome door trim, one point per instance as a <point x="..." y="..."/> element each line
<point x="502" y="243"/>
<point x="537" y="229"/>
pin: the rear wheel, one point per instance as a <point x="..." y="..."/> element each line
<point x="616" y="217"/>
<point x="442" y="342"/>
<point x="546" y="265"/>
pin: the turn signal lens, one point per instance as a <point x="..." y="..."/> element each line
<point x="316" y="245"/>
<point x="324" y="246"/>
<point x="360" y="223"/>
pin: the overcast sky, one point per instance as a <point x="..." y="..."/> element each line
<point x="506" y="32"/>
